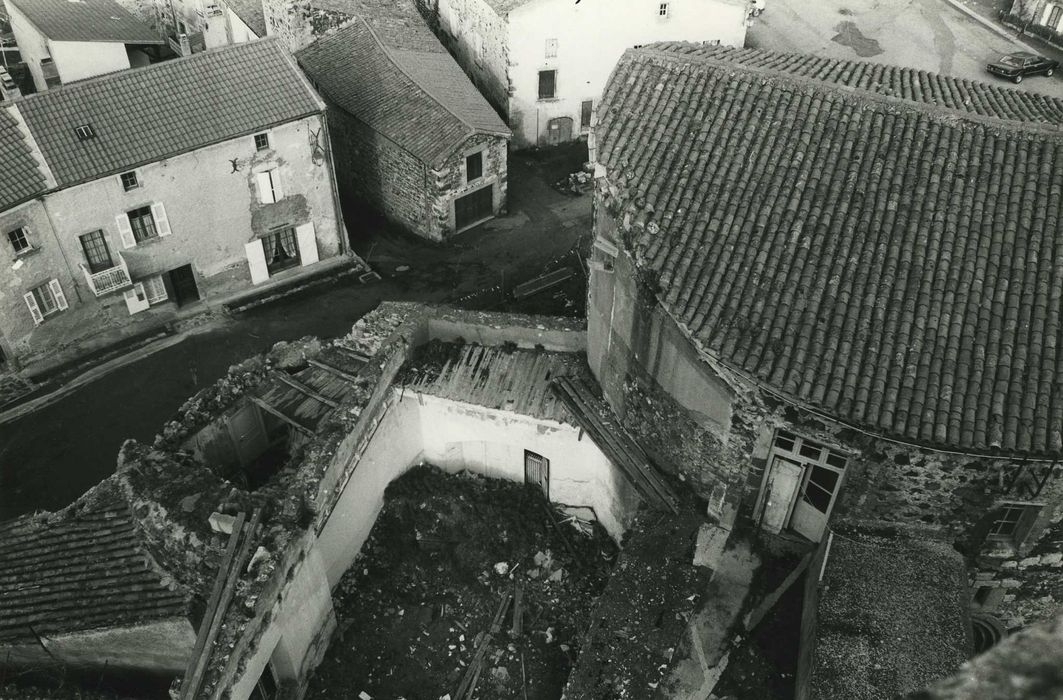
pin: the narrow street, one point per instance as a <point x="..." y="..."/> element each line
<point x="929" y="35"/>
<point x="50" y="457"/>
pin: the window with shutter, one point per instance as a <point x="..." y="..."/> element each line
<point x="142" y="223"/>
<point x="547" y="84"/>
<point x="35" y="309"/>
<point x="162" y="224"/>
<point x="45" y="300"/>
<point x="269" y="186"/>
<point x="155" y="288"/>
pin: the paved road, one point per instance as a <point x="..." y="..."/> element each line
<point x="50" y="457"/>
<point x="929" y="35"/>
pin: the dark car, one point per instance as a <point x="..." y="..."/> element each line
<point x="1016" y="66"/>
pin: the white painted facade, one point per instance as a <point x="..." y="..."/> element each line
<point x="580" y="41"/>
<point x="456" y="436"/>
<point x="73" y="60"/>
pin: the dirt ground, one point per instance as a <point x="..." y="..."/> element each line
<point x="764" y="664"/>
<point x="414" y="609"/>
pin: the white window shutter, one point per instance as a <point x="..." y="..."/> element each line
<point x="35" y="311"/>
<point x="136" y="299"/>
<point x="265" y="188"/>
<point x="256" y="261"/>
<point x="156" y="289"/>
<point x="57" y="292"/>
<point x="278" y="191"/>
<point x="162" y="224"/>
<point x="125" y="231"/>
<point x="304" y="236"/>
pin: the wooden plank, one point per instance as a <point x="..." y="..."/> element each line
<point x="265" y="406"/>
<point x="216" y="611"/>
<point x="610" y="443"/>
<point x="354" y="354"/>
<point x="306" y="389"/>
<point x="517" y="630"/>
<point x="542" y="282"/>
<point x="336" y="371"/>
<point x="754" y="616"/>
<point x="622" y="441"/>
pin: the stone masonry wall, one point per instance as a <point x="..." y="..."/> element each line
<point x="379" y="173"/>
<point x="464" y="25"/>
<point x="448" y="183"/>
<point x="299" y="22"/>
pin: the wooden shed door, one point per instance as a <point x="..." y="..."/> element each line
<point x="473" y="207"/>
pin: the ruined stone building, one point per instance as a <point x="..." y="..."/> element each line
<point x="543" y="63"/>
<point x="412" y="136"/>
<point x="835" y="286"/>
<point x="118" y="219"/>
<point x="62" y="42"/>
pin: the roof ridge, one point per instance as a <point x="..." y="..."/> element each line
<point x="67" y="88"/>
<point x="931" y="110"/>
<point x="398" y="67"/>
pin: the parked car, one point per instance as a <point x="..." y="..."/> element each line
<point x="1016" y="66"/>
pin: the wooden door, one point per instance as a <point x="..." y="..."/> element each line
<point x="537" y="471"/>
<point x="183" y="284"/>
<point x="819" y="487"/>
<point x="784" y="479"/>
<point x="473" y="207"/>
<point x="559" y="130"/>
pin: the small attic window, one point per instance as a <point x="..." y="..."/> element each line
<point x="84" y="132"/>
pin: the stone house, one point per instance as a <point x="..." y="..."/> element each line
<point x="83" y="588"/>
<point x="1045" y="14"/>
<point x="844" y="307"/>
<point x="62" y="42"/>
<point x="119" y="219"/>
<point x="543" y="63"/>
<point x="412" y="137"/>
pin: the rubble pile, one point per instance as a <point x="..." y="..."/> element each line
<point x="462" y="571"/>
<point x="575" y="184"/>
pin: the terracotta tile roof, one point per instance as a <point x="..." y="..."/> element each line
<point x="147" y="114"/>
<point x="86" y="20"/>
<point x="892" y="616"/>
<point x="418" y="98"/>
<point x="250" y="13"/>
<point x="79" y="570"/>
<point x="905" y="83"/>
<point x="893" y="264"/>
<point x="20" y="178"/>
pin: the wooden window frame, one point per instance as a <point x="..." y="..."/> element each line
<point x="553" y="92"/>
<point x="137" y="217"/>
<point x="479" y="156"/>
<point x="129" y="180"/>
<point x="1021" y="526"/>
<point x="20" y="233"/>
<point x="92" y="243"/>
<point x="262" y="141"/>
<point x="664" y="10"/>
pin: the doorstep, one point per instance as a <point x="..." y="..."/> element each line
<point x="288" y="286"/>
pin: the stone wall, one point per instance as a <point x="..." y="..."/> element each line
<point x="378" y="172"/>
<point x="299" y="22"/>
<point x="449" y="182"/>
<point x="465" y="25"/>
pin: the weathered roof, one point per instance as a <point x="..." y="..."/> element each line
<point x="892" y="616"/>
<point x="250" y="13"/>
<point x="86" y="20"/>
<point x="20" y="178"/>
<point x="82" y="569"/>
<point x="906" y="83"/>
<point x="492" y="376"/>
<point x="165" y="109"/>
<point x="401" y="83"/>
<point x="889" y="261"/>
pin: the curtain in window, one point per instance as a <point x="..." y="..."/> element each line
<point x="287" y="243"/>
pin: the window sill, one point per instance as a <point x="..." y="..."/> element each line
<point x="28" y="253"/>
<point x="147" y="242"/>
<point x="549" y="99"/>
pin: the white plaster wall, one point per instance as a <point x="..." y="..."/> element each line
<point x="31" y="44"/>
<point x="490" y="442"/>
<point x="304" y="615"/>
<point x="239" y="32"/>
<point x="591" y="37"/>
<point x="394" y="448"/>
<point x="77" y="60"/>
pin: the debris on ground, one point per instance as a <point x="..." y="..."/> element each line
<point x="575" y="184"/>
<point x="463" y="585"/>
